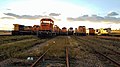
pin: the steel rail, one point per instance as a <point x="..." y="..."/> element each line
<point x="33" y="65"/>
<point x="67" y="58"/>
<point x="111" y="50"/>
<point x="118" y="64"/>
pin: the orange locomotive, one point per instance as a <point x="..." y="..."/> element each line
<point x="57" y="30"/>
<point x="91" y="31"/>
<point x="35" y="29"/>
<point x="46" y="28"/>
<point x="80" y="31"/>
<point x="46" y="24"/>
<point x="64" y="31"/>
<point x="70" y="31"/>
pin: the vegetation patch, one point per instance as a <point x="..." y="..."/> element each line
<point x="12" y="50"/>
<point x="8" y="39"/>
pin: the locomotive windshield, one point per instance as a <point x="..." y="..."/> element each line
<point x="46" y="22"/>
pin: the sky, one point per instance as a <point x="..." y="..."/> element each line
<point x="66" y="13"/>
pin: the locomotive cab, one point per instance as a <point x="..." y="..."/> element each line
<point x="46" y="25"/>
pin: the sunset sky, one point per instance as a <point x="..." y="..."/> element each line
<point x="68" y="13"/>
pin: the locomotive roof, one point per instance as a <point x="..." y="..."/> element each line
<point x="46" y="19"/>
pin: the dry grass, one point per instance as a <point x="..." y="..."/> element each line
<point x="9" y="39"/>
<point x="13" y="49"/>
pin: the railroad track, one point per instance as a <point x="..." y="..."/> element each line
<point x="40" y="58"/>
<point x="106" y="54"/>
<point x="109" y="42"/>
<point x="5" y="60"/>
<point x="66" y="61"/>
<point x="51" y="55"/>
<point x="35" y="63"/>
<point x="102" y="46"/>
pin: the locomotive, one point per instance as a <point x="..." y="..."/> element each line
<point x="103" y="31"/>
<point x="35" y="29"/>
<point x="91" y="31"/>
<point x="46" y="28"/>
<point x="21" y="30"/>
<point x="81" y="31"/>
<point x="57" y="30"/>
<point x="64" y="31"/>
<point x="70" y="31"/>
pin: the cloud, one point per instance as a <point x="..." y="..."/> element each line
<point x="11" y="14"/>
<point x="23" y="16"/>
<point x="113" y="14"/>
<point x="112" y="19"/>
<point x="95" y="18"/>
<point x="7" y="18"/>
<point x="30" y="17"/>
<point x="8" y="9"/>
<point x="86" y="18"/>
<point x="54" y="14"/>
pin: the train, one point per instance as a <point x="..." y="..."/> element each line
<point x="48" y="29"/>
<point x="114" y="33"/>
<point x="56" y="30"/>
<point x="80" y="31"/>
<point x="107" y="32"/>
<point x="70" y="31"/>
<point x="22" y="30"/>
<point x="64" y="31"/>
<point x="91" y="31"/>
<point x="45" y="29"/>
<point x="35" y="28"/>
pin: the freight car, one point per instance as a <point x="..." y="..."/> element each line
<point x="64" y="31"/>
<point x="80" y="31"/>
<point x="46" y="28"/>
<point x="91" y="31"/>
<point x="114" y="33"/>
<point x="70" y="31"/>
